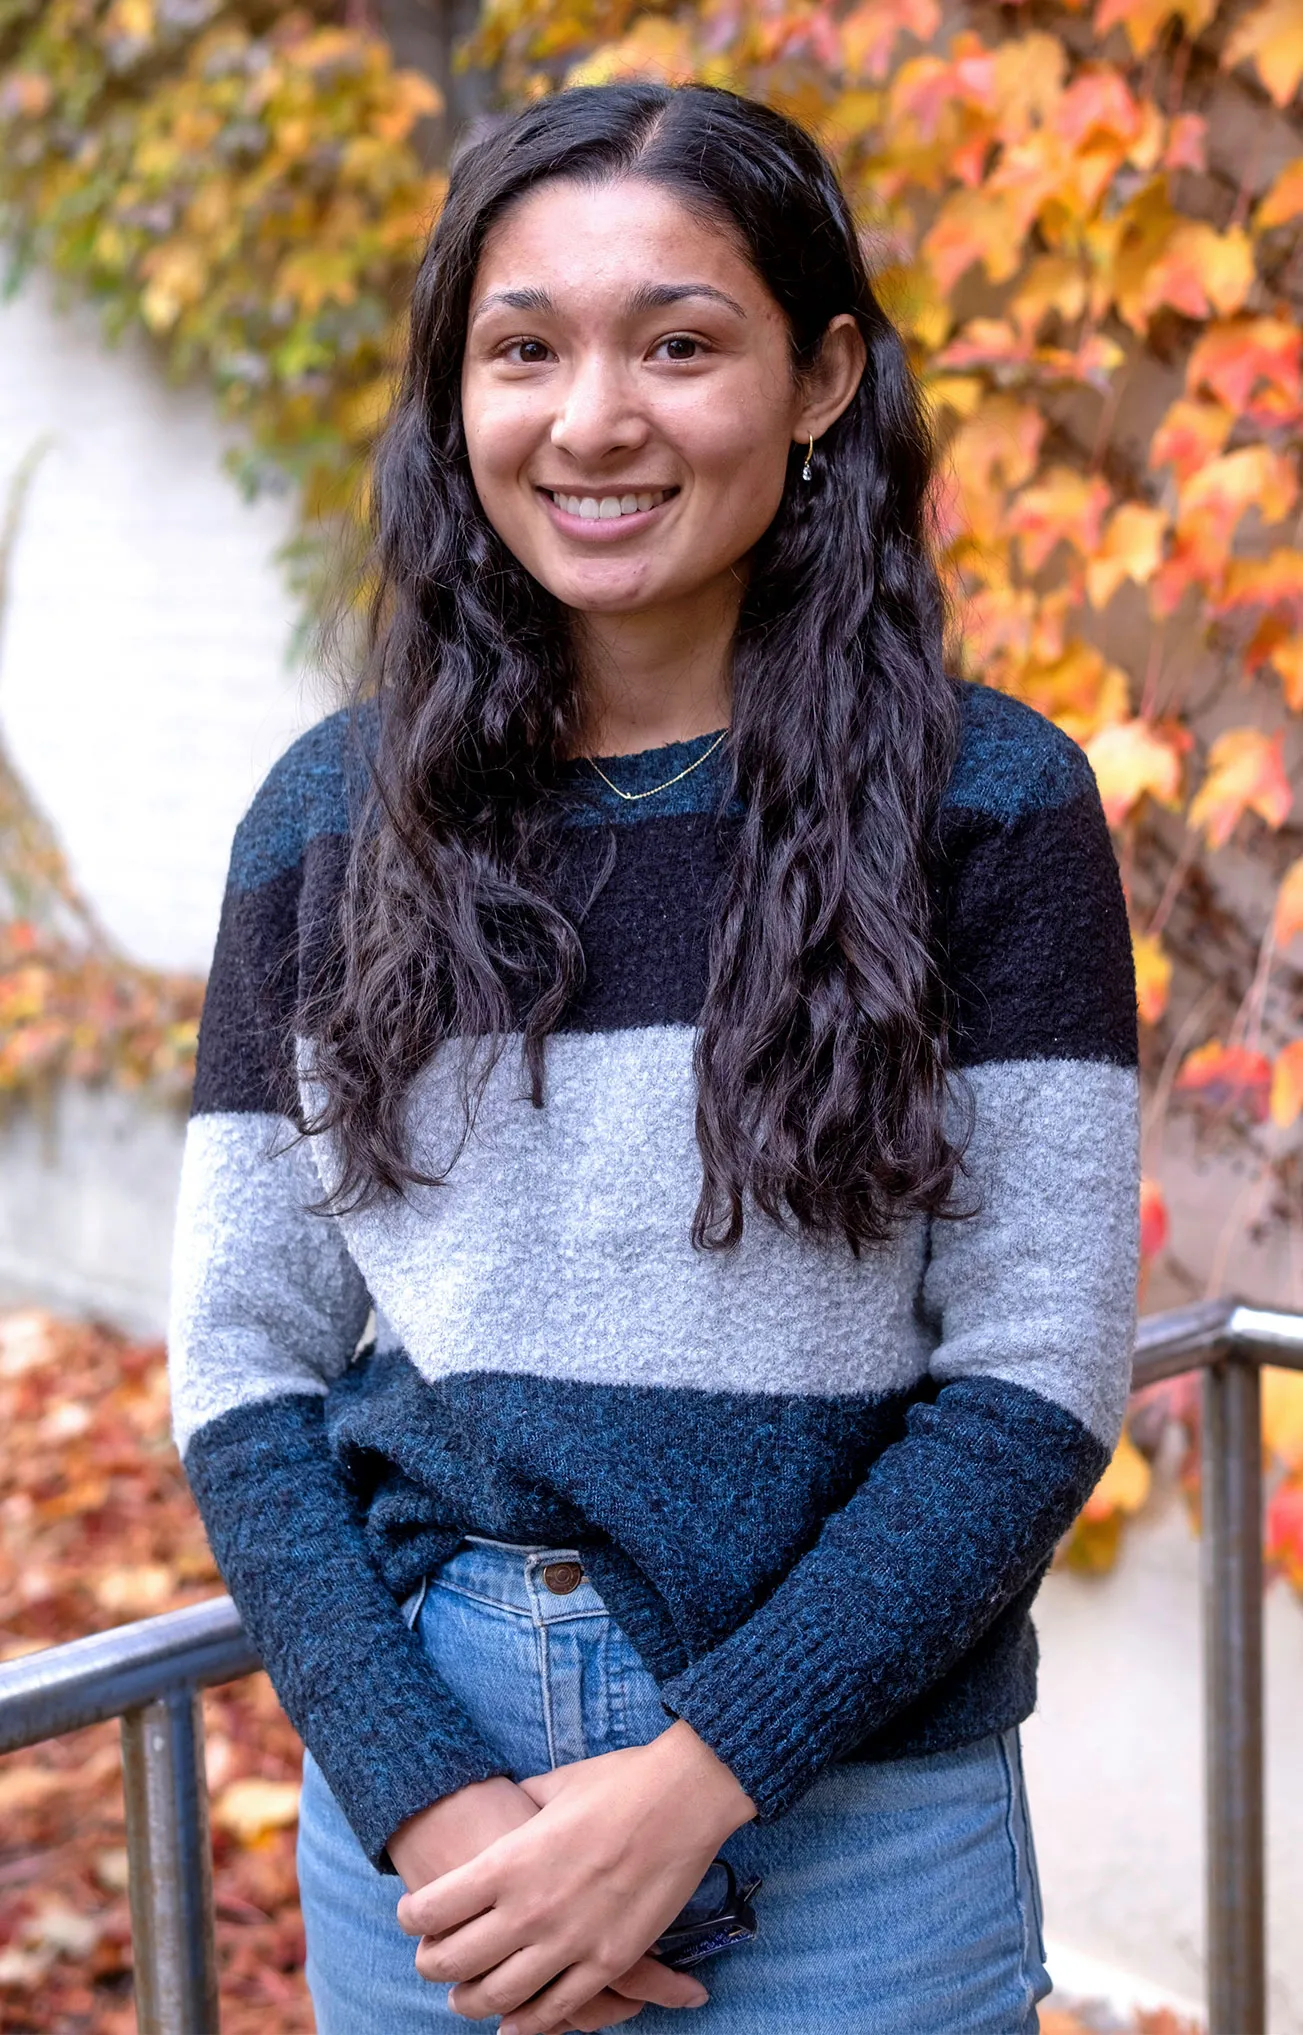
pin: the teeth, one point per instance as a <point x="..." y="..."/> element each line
<point x="605" y="508"/>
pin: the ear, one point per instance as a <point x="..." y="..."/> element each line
<point x="831" y="381"/>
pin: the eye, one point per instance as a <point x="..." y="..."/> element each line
<point x="679" y="346"/>
<point x="526" y="352"/>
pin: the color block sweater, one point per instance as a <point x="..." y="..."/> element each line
<point x="817" y="1490"/>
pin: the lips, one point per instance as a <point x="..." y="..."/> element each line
<point x="609" y="508"/>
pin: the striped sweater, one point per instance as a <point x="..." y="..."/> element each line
<point x="817" y="1490"/>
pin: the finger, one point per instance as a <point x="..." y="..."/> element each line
<point x="542" y="1787"/>
<point x="466" y="1953"/>
<point x="515" y="1980"/>
<point x="605" y="2011"/>
<point x="448" y="1902"/>
<point x="659" y="1986"/>
<point x="558" y="2005"/>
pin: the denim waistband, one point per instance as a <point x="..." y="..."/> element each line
<point x="515" y="1579"/>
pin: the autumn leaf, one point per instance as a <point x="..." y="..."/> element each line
<point x="1065" y="507"/>
<point x="1246" y="773"/>
<point x="1190" y="434"/>
<point x="1284" y="201"/>
<point x="1228" y="1077"/>
<point x="1272" y="40"/>
<point x="1132" y="758"/>
<point x="869" y="33"/>
<point x="1142" y="19"/>
<point x="1282" y="1416"/>
<point x="250" y="1808"/>
<point x="1153" y="976"/>
<point x="1287" y="1084"/>
<point x="1284" y="1530"/>
<point x="1287" y="920"/>
<point x="1153" y="1220"/>
<point x="1131" y="547"/>
<point x="1236" y="356"/>
<point x="1120" y="1492"/>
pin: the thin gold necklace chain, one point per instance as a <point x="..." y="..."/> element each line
<point x="632" y="797"/>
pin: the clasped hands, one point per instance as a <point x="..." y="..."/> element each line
<point x="537" y="1901"/>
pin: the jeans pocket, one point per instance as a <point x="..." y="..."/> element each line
<point x="411" y="1606"/>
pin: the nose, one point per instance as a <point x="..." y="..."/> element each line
<point x="599" y="415"/>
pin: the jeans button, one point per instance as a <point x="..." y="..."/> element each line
<point x="563" y="1577"/>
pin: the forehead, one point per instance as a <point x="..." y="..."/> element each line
<point x="581" y="243"/>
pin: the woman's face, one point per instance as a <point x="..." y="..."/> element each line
<point x="628" y="395"/>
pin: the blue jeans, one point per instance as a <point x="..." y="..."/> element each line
<point x="899" y="1898"/>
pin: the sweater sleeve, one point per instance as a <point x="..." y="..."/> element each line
<point x="1031" y="1295"/>
<point x="267" y="1310"/>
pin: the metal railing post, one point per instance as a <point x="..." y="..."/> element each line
<point x="1232" y="1620"/>
<point x="171" y="1869"/>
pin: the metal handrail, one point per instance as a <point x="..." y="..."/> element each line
<point x="151" y="1675"/>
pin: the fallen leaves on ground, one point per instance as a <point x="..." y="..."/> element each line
<point x="97" y="1527"/>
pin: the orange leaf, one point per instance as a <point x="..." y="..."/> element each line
<point x="1130" y="759"/>
<point x="1190" y="434"/>
<point x="1284" y="1532"/>
<point x="1131" y="548"/>
<point x="1246" y="773"/>
<point x="1273" y="582"/>
<point x="1153" y="1219"/>
<point x="1287" y="921"/>
<point x="1272" y="39"/>
<point x="1142" y="19"/>
<point x="869" y="34"/>
<point x="1287" y="1084"/>
<point x="1236" y="355"/>
<point x="1284" y="200"/>
<point x="1187" y="143"/>
<point x="1064" y="507"/>
<point x="1153" y="976"/>
<point x="1282" y="1416"/>
<point x="1287" y="658"/>
<point x="1228" y="1075"/>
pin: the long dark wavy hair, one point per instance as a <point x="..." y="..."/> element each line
<point x="820" y="1055"/>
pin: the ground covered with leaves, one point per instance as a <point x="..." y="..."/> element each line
<point x="97" y="1527"/>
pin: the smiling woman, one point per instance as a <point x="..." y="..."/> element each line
<point x="700" y="1037"/>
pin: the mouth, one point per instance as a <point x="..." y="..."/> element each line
<point x="611" y="508"/>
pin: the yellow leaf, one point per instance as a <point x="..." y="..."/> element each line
<point x="1066" y="506"/>
<point x="134" y="1590"/>
<point x="1132" y="548"/>
<point x="1142" y="19"/>
<point x="1130" y="759"/>
<point x="1285" y="198"/>
<point x="1124" y="1485"/>
<point x="1282" y="1416"/>
<point x="1273" y="40"/>
<point x="249" y="1809"/>
<point x="654" y="48"/>
<point x="1246" y="773"/>
<point x="1153" y="976"/>
<point x="1287" y="921"/>
<point x="1287" y="1084"/>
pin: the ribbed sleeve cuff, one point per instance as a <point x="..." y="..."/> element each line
<point x="356" y="1684"/>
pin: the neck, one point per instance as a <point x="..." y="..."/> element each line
<point x="658" y="675"/>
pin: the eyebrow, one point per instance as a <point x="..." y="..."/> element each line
<point x="647" y="297"/>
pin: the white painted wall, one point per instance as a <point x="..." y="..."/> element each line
<point x="144" y="676"/>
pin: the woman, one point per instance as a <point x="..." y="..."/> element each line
<point x="704" y="1035"/>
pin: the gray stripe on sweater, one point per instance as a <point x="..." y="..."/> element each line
<point x="560" y="1249"/>
<point x="1040" y="1288"/>
<point x="265" y="1298"/>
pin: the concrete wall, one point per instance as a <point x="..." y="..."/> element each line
<point x="145" y="681"/>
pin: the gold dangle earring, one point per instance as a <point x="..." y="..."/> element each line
<point x="805" y="470"/>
